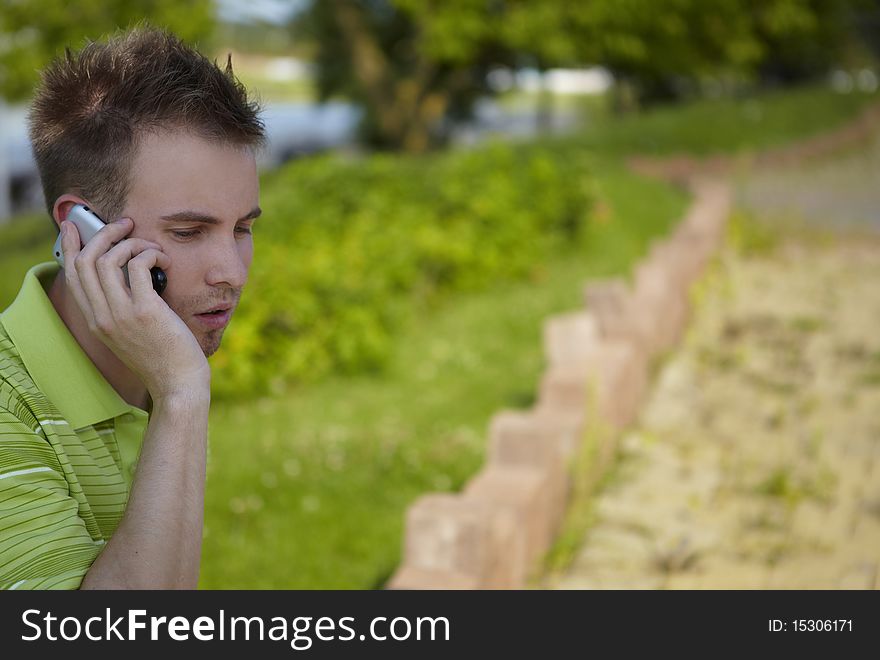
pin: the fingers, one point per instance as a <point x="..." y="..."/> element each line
<point x="85" y="266"/>
<point x="70" y="246"/>
<point x="111" y="233"/>
<point x="139" y="277"/>
<point x="95" y="277"/>
<point x="110" y="274"/>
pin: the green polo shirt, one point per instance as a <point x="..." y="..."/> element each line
<point x="68" y="447"/>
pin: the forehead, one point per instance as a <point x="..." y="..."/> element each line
<point x="173" y="171"/>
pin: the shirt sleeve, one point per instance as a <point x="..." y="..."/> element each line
<point x="44" y="544"/>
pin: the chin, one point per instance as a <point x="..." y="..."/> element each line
<point x="210" y="342"/>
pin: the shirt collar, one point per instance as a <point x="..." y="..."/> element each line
<point x="54" y="359"/>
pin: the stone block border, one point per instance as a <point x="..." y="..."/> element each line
<point x="493" y="533"/>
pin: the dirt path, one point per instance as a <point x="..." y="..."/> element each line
<point x="756" y="463"/>
<point x="839" y="193"/>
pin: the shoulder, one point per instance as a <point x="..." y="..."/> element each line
<point x="18" y="392"/>
<point x="25" y="449"/>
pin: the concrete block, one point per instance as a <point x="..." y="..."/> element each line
<point x="535" y="497"/>
<point x="621" y="375"/>
<point x="619" y="315"/>
<point x="660" y="298"/>
<point x="448" y="533"/>
<point x="411" y="577"/>
<point x="567" y="337"/>
<point x="564" y="390"/>
<point x="707" y="215"/>
<point x="610" y="383"/>
<point x="610" y="302"/>
<point x="695" y="253"/>
<point x="533" y="438"/>
<point x="678" y="255"/>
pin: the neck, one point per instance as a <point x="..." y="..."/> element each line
<point x="121" y="378"/>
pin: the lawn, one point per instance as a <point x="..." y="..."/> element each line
<point x="722" y="125"/>
<point x="24" y="241"/>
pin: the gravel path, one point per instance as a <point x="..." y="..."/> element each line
<point x="756" y="463"/>
<point x="839" y="193"/>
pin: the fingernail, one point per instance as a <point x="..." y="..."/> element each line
<point x="64" y="228"/>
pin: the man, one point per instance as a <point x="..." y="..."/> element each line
<point x="97" y="375"/>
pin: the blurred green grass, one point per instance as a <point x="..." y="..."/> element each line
<point x="271" y="90"/>
<point x="723" y="125"/>
<point x="25" y="240"/>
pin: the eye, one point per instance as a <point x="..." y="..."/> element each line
<point x="184" y="234"/>
<point x="243" y="230"/>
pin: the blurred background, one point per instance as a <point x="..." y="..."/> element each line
<point x="440" y="177"/>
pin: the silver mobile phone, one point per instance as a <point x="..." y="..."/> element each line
<point x="88" y="224"/>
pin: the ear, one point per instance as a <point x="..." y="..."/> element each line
<point x="63" y="205"/>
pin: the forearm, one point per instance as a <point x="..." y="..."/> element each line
<point x="158" y="542"/>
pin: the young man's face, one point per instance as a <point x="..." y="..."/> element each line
<point x="198" y="200"/>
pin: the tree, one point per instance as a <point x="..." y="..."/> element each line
<point x="412" y="63"/>
<point x="409" y="62"/>
<point x="32" y="32"/>
<point x="802" y="39"/>
<point x="654" y="49"/>
<point x="662" y="49"/>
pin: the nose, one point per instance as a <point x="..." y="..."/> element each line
<point x="229" y="265"/>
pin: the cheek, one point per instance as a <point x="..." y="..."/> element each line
<point x="183" y="272"/>
<point x="246" y="251"/>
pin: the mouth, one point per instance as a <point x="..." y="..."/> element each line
<point x="216" y="317"/>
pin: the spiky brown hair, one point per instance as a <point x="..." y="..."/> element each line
<point x="92" y="107"/>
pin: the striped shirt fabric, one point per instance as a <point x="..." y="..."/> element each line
<point x="68" y="447"/>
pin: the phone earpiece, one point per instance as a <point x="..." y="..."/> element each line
<point x="160" y="279"/>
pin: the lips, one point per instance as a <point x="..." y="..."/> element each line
<point x="216" y="317"/>
<point x="218" y="308"/>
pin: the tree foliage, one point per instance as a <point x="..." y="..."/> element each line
<point x="409" y="62"/>
<point x="664" y="47"/>
<point x="32" y="32"/>
<point x="413" y="62"/>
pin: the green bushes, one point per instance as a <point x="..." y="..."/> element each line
<point x="346" y="247"/>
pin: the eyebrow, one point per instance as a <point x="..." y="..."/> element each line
<point x="195" y="216"/>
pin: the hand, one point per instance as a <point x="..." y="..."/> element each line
<point x="135" y="323"/>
